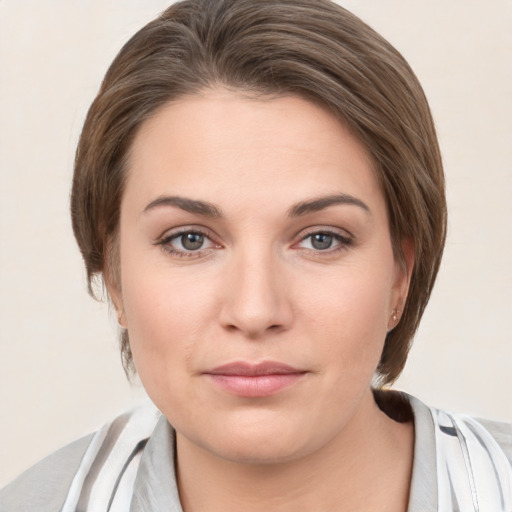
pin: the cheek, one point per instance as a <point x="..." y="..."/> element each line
<point x="162" y="312"/>
<point x="163" y="330"/>
<point x="349" y="311"/>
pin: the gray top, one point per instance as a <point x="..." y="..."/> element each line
<point x="45" y="486"/>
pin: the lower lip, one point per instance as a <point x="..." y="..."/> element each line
<point x="257" y="385"/>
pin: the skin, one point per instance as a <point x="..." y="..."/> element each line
<point x="259" y="289"/>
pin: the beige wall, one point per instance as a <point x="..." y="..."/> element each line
<point x="60" y="375"/>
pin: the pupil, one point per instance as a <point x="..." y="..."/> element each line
<point x="192" y="241"/>
<point x="321" y="241"/>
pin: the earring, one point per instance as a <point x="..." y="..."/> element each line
<point x="393" y="320"/>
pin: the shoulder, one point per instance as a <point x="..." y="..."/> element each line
<point x="501" y="432"/>
<point x="60" y="478"/>
<point x="487" y="432"/>
<point x="493" y="436"/>
<point x="460" y="460"/>
<point x="44" y="486"/>
<point x="474" y="461"/>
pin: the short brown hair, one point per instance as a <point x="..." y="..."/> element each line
<point x="313" y="48"/>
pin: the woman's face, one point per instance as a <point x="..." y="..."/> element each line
<point x="257" y="273"/>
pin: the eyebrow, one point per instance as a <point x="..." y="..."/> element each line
<point x="210" y="210"/>
<point x="188" y="205"/>
<point x="315" y="205"/>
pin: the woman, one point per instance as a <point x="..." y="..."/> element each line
<point x="260" y="187"/>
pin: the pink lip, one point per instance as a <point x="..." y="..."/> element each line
<point x="255" y="380"/>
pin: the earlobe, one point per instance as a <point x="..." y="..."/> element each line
<point x="112" y="281"/>
<point x="116" y="299"/>
<point x="393" y="321"/>
<point x="118" y="305"/>
<point x="121" y="319"/>
<point x="115" y="296"/>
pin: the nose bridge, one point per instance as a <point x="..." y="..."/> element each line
<point x="256" y="299"/>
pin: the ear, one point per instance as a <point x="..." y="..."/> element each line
<point x="404" y="270"/>
<point x="112" y="281"/>
<point x="116" y="299"/>
<point x="407" y="265"/>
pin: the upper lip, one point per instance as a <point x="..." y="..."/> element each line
<point x="254" y="369"/>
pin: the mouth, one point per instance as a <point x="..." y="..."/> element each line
<point x="255" y="380"/>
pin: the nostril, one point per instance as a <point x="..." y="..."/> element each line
<point x="274" y="327"/>
<point x="255" y="306"/>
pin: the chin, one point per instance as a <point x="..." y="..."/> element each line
<point x="258" y="451"/>
<point x="259" y="439"/>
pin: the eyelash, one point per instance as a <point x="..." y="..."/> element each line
<point x="166" y="241"/>
<point x="344" y="242"/>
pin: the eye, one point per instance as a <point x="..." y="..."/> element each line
<point x="324" y="241"/>
<point x="187" y="243"/>
<point x="321" y="241"/>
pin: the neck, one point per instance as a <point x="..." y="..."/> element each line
<point x="367" y="466"/>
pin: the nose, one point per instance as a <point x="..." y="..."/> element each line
<point x="256" y="297"/>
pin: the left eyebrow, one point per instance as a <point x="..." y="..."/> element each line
<point x="315" y="205"/>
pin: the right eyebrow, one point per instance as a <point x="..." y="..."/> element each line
<point x="186" y="204"/>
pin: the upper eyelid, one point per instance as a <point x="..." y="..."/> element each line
<point x="304" y="233"/>
<point x="208" y="233"/>
<point x="181" y="230"/>
<point x="344" y="239"/>
<point x="165" y="242"/>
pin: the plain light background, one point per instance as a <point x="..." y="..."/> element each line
<point x="60" y="374"/>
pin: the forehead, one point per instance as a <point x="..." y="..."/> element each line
<point x="222" y="144"/>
